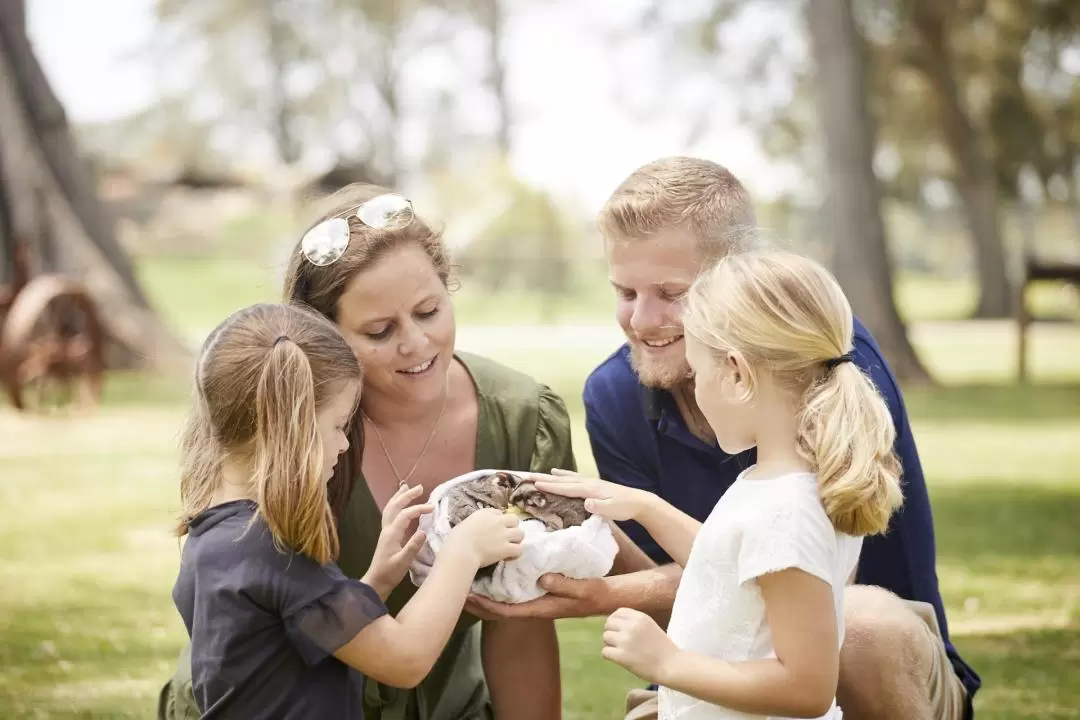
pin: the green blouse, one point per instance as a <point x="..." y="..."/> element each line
<point x="522" y="425"/>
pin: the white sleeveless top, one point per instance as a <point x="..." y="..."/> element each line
<point x="758" y="526"/>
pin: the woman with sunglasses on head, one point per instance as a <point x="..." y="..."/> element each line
<point x="427" y="413"/>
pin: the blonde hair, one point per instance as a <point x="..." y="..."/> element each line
<point x="682" y="192"/>
<point x="261" y="377"/>
<point x="786" y="315"/>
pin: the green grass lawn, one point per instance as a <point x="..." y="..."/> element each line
<point x="195" y="293"/>
<point x="88" y="630"/>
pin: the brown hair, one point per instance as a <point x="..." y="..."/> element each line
<point x="320" y="288"/>
<point x="261" y="377"/>
<point x="787" y="316"/>
<point x="682" y="192"/>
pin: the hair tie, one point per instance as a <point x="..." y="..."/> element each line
<point x="280" y="339"/>
<point x="833" y="362"/>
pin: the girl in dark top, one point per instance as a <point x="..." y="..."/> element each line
<point x="259" y="590"/>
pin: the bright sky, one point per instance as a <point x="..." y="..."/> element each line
<point x="574" y="138"/>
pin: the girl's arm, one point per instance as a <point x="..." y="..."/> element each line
<point x="400" y="651"/>
<point x="521" y="663"/>
<point x="672" y="529"/>
<point x="800" y="682"/>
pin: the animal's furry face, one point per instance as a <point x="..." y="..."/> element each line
<point x="555" y="511"/>
<point x="487" y="491"/>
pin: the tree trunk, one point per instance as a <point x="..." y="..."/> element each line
<point x="48" y="122"/>
<point x="493" y="19"/>
<point x="853" y="207"/>
<point x="280" y="104"/>
<point x="975" y="179"/>
<point x="54" y="212"/>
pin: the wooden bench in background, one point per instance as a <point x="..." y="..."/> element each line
<point x="1037" y="271"/>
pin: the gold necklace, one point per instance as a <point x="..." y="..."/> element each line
<point x="434" y="429"/>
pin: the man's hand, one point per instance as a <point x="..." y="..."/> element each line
<point x="566" y="598"/>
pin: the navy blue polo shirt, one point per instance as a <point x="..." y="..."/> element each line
<point x="639" y="439"/>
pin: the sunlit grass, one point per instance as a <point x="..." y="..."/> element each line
<point x="87" y="626"/>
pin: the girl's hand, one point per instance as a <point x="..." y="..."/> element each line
<point x="606" y="499"/>
<point x="488" y="536"/>
<point x="394" y="552"/>
<point x="633" y="640"/>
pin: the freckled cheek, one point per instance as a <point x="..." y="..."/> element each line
<point x="372" y="357"/>
<point x="442" y="331"/>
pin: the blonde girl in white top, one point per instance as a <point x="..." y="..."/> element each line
<point x="757" y="623"/>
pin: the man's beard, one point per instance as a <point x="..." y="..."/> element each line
<point x="665" y="375"/>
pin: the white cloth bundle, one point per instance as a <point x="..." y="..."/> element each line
<point x="582" y="551"/>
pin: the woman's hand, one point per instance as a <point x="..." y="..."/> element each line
<point x="394" y="553"/>
<point x="606" y="499"/>
<point x="633" y="640"/>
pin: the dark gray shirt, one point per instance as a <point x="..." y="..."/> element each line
<point x="263" y="622"/>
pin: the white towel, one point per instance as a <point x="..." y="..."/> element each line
<point x="581" y="551"/>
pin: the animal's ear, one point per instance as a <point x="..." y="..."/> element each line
<point x="505" y="480"/>
<point x="538" y="500"/>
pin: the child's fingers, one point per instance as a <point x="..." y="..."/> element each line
<point x="411" y="548"/>
<point x="402" y="497"/>
<point x="551" y="479"/>
<point x="566" y="488"/>
<point x="597" y="506"/>
<point x="564" y="473"/>
<point x="414" y="511"/>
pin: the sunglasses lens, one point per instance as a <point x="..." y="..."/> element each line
<point x="390" y="211"/>
<point x="326" y="242"/>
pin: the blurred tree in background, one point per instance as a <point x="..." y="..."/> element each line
<point x="973" y="106"/>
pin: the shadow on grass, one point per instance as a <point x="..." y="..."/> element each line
<point x="995" y="403"/>
<point x="974" y="521"/>
<point x="1026" y="674"/>
<point x="100" y="652"/>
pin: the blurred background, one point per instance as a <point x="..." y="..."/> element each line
<point x="154" y="155"/>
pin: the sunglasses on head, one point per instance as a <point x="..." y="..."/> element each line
<point x="325" y="243"/>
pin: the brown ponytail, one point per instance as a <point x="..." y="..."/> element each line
<point x="288" y="479"/>
<point x="264" y="374"/>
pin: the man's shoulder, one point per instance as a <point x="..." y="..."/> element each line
<point x="866" y="346"/>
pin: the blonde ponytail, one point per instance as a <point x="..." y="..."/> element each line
<point x="789" y="319"/>
<point x="846" y="433"/>
<point x="289" y="484"/>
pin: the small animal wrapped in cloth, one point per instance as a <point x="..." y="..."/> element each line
<point x="560" y="535"/>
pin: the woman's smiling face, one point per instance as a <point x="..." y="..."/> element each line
<point x="398" y="318"/>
